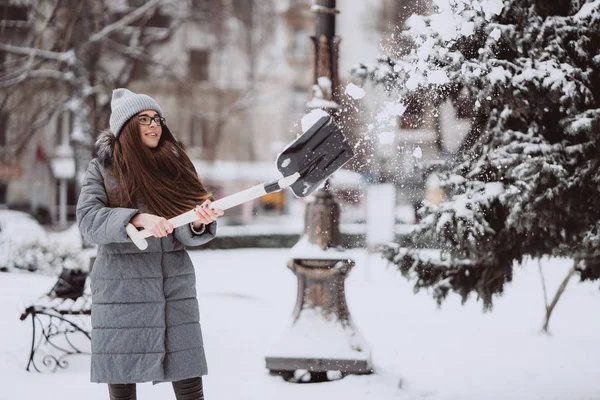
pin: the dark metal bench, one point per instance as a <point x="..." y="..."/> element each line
<point x="61" y="329"/>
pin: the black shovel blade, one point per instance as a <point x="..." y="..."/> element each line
<point x="316" y="154"/>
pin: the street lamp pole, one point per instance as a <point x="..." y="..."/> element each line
<point x="323" y="338"/>
<point x="321" y="219"/>
<point x="326" y="46"/>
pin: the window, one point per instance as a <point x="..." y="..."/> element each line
<point x="464" y="110"/>
<point x="14" y="20"/>
<point x="13" y="13"/>
<point x="139" y="70"/>
<point x="201" y="6"/>
<point x="157" y="20"/>
<point x="198" y="64"/>
<point x="72" y="195"/>
<point x="71" y="199"/>
<point x="464" y="105"/>
<point x="198" y="130"/>
<point x="136" y="3"/>
<point x="4" y="117"/>
<point x="273" y="202"/>
<point x="3" y="191"/>
<point x="242" y="10"/>
<point x="63" y="127"/>
<point x="413" y="117"/>
<point x="299" y="45"/>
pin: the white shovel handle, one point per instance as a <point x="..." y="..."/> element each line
<point x="139" y="237"/>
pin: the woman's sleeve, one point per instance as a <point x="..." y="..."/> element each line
<point x="186" y="236"/>
<point x="99" y="223"/>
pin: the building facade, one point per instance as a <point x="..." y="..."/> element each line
<point x="233" y="80"/>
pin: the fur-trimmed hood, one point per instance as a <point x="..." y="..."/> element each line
<point x="105" y="146"/>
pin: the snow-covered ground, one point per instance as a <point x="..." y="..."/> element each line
<point x="419" y="351"/>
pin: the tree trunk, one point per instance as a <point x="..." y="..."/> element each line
<point x="559" y="292"/>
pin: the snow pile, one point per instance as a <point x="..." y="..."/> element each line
<point x="312" y="118"/>
<point x="321" y="94"/>
<point x="305" y="250"/>
<point x="419" y="351"/>
<point x="318" y="335"/>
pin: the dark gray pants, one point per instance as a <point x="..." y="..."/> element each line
<point x="187" y="389"/>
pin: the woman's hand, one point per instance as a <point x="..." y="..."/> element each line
<point x="157" y="226"/>
<point x="206" y="215"/>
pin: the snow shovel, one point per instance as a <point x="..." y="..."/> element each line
<point x="305" y="164"/>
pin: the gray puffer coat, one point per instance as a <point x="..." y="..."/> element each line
<point x="145" y="318"/>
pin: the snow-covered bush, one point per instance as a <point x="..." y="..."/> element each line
<point x="526" y="180"/>
<point x="41" y="258"/>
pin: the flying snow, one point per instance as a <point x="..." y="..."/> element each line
<point x="417" y="153"/>
<point x="386" y="137"/>
<point x="356" y="92"/>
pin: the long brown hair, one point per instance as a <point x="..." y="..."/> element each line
<point x="163" y="179"/>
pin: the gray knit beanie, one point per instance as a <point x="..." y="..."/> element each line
<point x="125" y="104"/>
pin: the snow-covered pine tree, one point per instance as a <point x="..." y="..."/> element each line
<point x="526" y="180"/>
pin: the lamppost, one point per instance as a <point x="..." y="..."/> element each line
<point x="322" y="337"/>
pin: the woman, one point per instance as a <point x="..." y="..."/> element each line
<point x="145" y="319"/>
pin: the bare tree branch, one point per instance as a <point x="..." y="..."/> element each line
<point x="83" y="33"/>
<point x="69" y="31"/>
<point x="34" y="127"/>
<point x="137" y="47"/>
<point x="559" y="293"/>
<point x="67" y="56"/>
<point x="543" y="284"/>
<point x="4" y="101"/>
<point x="39" y="74"/>
<point x="123" y="22"/>
<point x="246" y="96"/>
<point x="139" y="55"/>
<point x="36" y="41"/>
<point x="13" y="68"/>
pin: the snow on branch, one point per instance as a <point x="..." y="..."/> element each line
<point x="123" y="22"/>
<point x="39" y="74"/>
<point x="524" y="182"/>
<point x="138" y="53"/>
<point x="67" y="56"/>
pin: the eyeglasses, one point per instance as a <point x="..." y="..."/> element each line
<point x="146" y="120"/>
